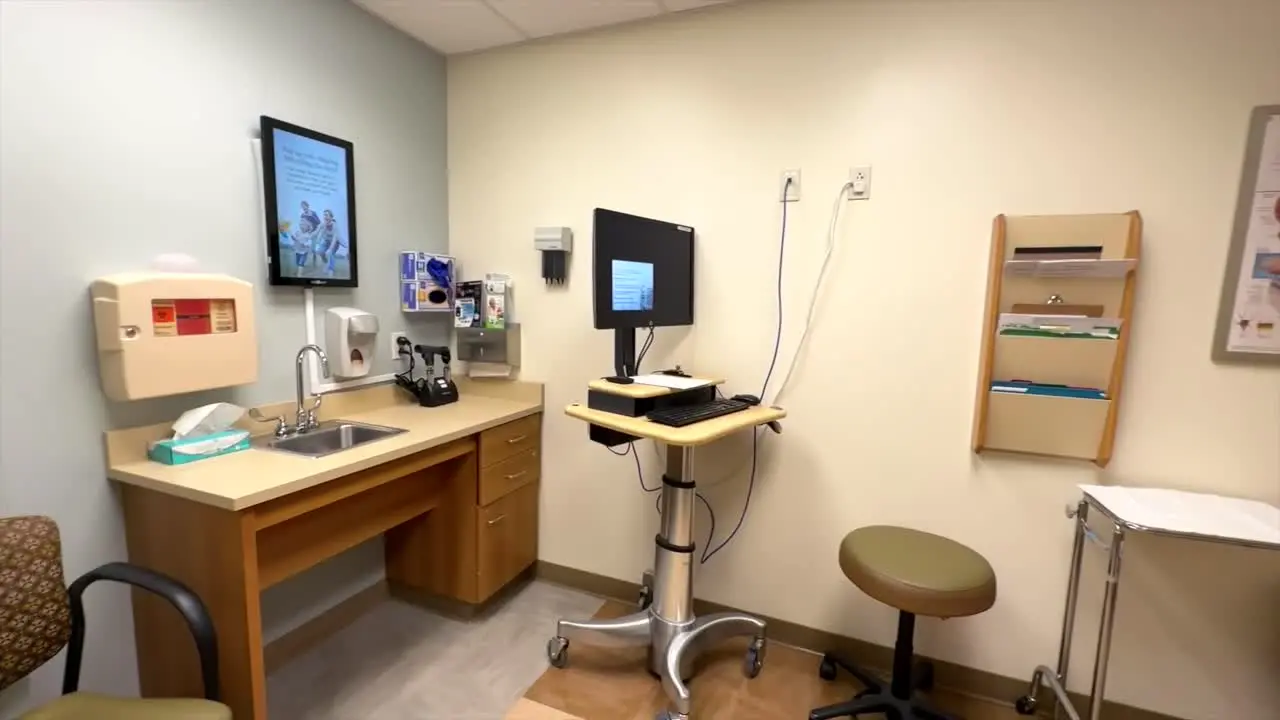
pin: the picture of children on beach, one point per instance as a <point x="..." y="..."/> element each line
<point x="315" y="236"/>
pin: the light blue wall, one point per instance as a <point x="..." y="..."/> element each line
<point x="125" y="132"/>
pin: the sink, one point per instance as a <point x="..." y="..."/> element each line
<point x="331" y="437"/>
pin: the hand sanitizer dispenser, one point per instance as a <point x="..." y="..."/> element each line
<point x="350" y="338"/>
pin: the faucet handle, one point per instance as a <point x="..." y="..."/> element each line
<point x="282" y="425"/>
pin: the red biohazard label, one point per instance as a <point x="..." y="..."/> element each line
<point x="193" y="316"/>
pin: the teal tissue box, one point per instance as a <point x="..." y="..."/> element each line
<point x="186" y="450"/>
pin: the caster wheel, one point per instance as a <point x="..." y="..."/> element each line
<point x="754" y="660"/>
<point x="827" y="669"/>
<point x="1025" y="705"/>
<point x="646" y="597"/>
<point x="558" y="652"/>
<point x="669" y="715"/>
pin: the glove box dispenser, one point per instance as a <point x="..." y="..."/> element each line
<point x="172" y="333"/>
<point x="490" y="345"/>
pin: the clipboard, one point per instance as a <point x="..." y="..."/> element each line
<point x="1092" y="311"/>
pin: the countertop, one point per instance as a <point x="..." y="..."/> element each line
<point x="250" y="477"/>
<point x="700" y="433"/>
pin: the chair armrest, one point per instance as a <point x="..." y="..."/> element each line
<point x="186" y="602"/>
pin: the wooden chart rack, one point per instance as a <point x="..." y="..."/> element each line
<point x="1071" y="427"/>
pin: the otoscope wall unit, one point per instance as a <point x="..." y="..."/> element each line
<point x="1055" y="335"/>
<point x="427" y="281"/>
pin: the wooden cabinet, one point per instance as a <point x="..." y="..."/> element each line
<point x="487" y="533"/>
<point x="505" y="477"/>
<point x="507" y="502"/>
<point x="498" y="444"/>
<point x="508" y="538"/>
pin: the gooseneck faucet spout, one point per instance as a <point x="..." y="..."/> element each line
<point x="307" y="419"/>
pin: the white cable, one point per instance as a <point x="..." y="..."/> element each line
<point x="817" y="290"/>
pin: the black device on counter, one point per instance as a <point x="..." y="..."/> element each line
<point x="430" y="391"/>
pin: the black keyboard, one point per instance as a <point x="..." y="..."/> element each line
<point x="690" y="414"/>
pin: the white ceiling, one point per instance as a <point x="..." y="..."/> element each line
<point x="456" y="26"/>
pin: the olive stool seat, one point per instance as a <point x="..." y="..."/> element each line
<point x="918" y="573"/>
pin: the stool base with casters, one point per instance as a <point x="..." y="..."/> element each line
<point x="902" y="700"/>
<point x="668" y="627"/>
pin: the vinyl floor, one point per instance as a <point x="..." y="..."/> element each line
<point x="400" y="662"/>
<point x="613" y="684"/>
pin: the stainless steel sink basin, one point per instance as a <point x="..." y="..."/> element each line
<point x="331" y="437"/>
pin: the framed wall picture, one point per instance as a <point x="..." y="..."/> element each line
<point x="310" y="188"/>
<point x="1248" y="327"/>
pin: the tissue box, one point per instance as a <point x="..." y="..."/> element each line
<point x="181" y="452"/>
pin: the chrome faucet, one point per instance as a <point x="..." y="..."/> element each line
<point x="307" y="419"/>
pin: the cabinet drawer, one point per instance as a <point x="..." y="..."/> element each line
<point x="498" y="444"/>
<point x="501" y="478"/>
<point x="508" y="539"/>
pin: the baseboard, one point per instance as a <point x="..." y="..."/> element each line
<point x="956" y="678"/>
<point x="298" y="641"/>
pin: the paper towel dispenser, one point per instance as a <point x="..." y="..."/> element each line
<point x="489" y="345"/>
<point x="166" y="333"/>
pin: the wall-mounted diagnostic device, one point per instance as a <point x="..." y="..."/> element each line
<point x="350" y="338"/>
<point x="429" y="391"/>
<point x="555" y="244"/>
<point x="165" y="333"/>
<point x="643" y="274"/>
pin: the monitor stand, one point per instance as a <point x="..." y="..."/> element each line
<point x="624" y="356"/>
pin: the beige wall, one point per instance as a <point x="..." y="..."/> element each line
<point x="966" y="109"/>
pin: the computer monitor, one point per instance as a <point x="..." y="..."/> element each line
<point x="643" y="275"/>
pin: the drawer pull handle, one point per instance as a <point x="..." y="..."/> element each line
<point x="520" y="474"/>
<point x="497" y="520"/>
<point x="516" y="439"/>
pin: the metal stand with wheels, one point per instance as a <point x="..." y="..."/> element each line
<point x="1229" y="515"/>
<point x="668" y="626"/>
<point x="1027" y="704"/>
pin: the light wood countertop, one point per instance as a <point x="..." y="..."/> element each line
<point x="688" y="436"/>
<point x="257" y="475"/>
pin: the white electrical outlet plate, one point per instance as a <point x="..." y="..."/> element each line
<point x="860" y="182"/>
<point x="395" y="347"/>
<point x="789" y="193"/>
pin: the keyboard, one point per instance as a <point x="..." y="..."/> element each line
<point x="690" y="414"/>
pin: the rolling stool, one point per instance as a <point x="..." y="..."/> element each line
<point x="918" y="573"/>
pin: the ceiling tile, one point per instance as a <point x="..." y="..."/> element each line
<point x="450" y="26"/>
<point x="678" y="5"/>
<point x="540" y="18"/>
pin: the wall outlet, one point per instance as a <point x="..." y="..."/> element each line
<point x="395" y="345"/>
<point x="860" y="182"/>
<point x="789" y="192"/>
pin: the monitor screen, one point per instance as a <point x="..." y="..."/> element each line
<point x="309" y="183"/>
<point x="643" y="271"/>
<point x="632" y="286"/>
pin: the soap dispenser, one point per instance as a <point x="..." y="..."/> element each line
<point x="350" y="338"/>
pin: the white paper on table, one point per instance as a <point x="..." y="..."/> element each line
<point x="1177" y="511"/>
<point x="675" y="382"/>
